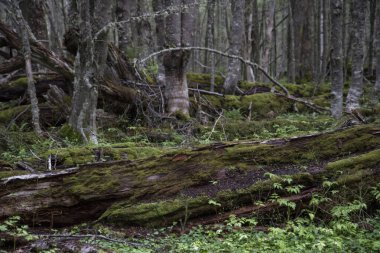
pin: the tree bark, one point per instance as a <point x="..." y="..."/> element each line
<point x="291" y="47"/>
<point x="372" y="16"/>
<point x="210" y="41"/>
<point x="301" y="11"/>
<point x="158" y="6"/>
<point x="179" y="29"/>
<point x="358" y="32"/>
<point x="235" y="39"/>
<point x="23" y="28"/>
<point x="377" y="43"/>
<point x="180" y="185"/>
<point x="337" y="81"/>
<point x="90" y="65"/>
<point x="268" y="41"/>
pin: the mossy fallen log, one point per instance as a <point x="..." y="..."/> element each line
<point x="197" y="185"/>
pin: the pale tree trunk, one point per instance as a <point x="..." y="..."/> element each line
<point x="372" y="11"/>
<point x="210" y="41"/>
<point x="235" y="38"/>
<point x="336" y="58"/>
<point x="268" y="39"/>
<point x="324" y="42"/>
<point x="158" y="6"/>
<point x="55" y="25"/>
<point x="179" y="33"/>
<point x="124" y="11"/>
<point x="291" y="48"/>
<point x="89" y="67"/>
<point x="377" y="84"/>
<point x="358" y="33"/>
<point x="255" y="36"/>
<point x="23" y="28"/>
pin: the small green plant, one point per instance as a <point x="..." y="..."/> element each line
<point x="12" y="227"/>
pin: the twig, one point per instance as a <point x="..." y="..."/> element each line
<point x="207" y="92"/>
<point x="216" y="122"/>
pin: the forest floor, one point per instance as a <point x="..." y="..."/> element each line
<point x="350" y="226"/>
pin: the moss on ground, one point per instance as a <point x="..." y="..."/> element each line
<point x="363" y="161"/>
<point x="11" y="173"/>
<point x="7" y="115"/>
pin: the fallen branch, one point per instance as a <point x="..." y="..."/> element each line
<point x="252" y="64"/>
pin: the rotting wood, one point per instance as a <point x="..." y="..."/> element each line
<point x="160" y="190"/>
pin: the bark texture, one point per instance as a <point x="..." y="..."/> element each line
<point x="337" y="81"/>
<point x="268" y="41"/>
<point x="358" y="38"/>
<point x="179" y="185"/>
<point x="235" y="39"/>
<point x="89" y="66"/>
<point x="377" y="41"/>
<point x="179" y="29"/>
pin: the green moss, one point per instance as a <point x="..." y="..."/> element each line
<point x="354" y="176"/>
<point x="7" y="115"/>
<point x="318" y="148"/>
<point x="204" y="78"/>
<point x="5" y="174"/>
<point x="167" y="211"/>
<point x="69" y="133"/>
<point x="89" y="183"/>
<point x="20" y="82"/>
<point x="87" y="154"/>
<point x="364" y="161"/>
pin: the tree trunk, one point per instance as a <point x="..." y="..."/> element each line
<point x="210" y="41"/>
<point x="301" y="11"/>
<point x="358" y="33"/>
<point x="337" y="81"/>
<point x="23" y="28"/>
<point x="179" y="29"/>
<point x="268" y="41"/>
<point x="377" y="41"/>
<point x="200" y="185"/>
<point x="235" y="39"/>
<point x="291" y="47"/>
<point x="158" y="6"/>
<point x="372" y="11"/>
<point x="255" y="37"/>
<point x="90" y="64"/>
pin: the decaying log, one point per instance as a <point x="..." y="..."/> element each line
<point x="11" y="65"/>
<point x="39" y="53"/>
<point x="15" y="90"/>
<point x="195" y="185"/>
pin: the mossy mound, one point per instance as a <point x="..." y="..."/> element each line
<point x="282" y="126"/>
<point x="261" y="104"/>
<point x="68" y="157"/>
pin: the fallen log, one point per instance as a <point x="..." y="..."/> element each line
<point x="195" y="185"/>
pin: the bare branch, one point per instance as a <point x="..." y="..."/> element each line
<point x="252" y="64"/>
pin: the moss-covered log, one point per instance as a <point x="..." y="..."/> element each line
<point x="190" y="184"/>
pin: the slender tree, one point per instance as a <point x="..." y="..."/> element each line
<point x="25" y="32"/>
<point x="268" y="39"/>
<point x="377" y="84"/>
<point x="336" y="7"/>
<point x="89" y="66"/>
<point x="158" y="7"/>
<point x="235" y="38"/>
<point x="358" y="36"/>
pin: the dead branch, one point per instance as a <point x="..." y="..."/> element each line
<point x="249" y="63"/>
